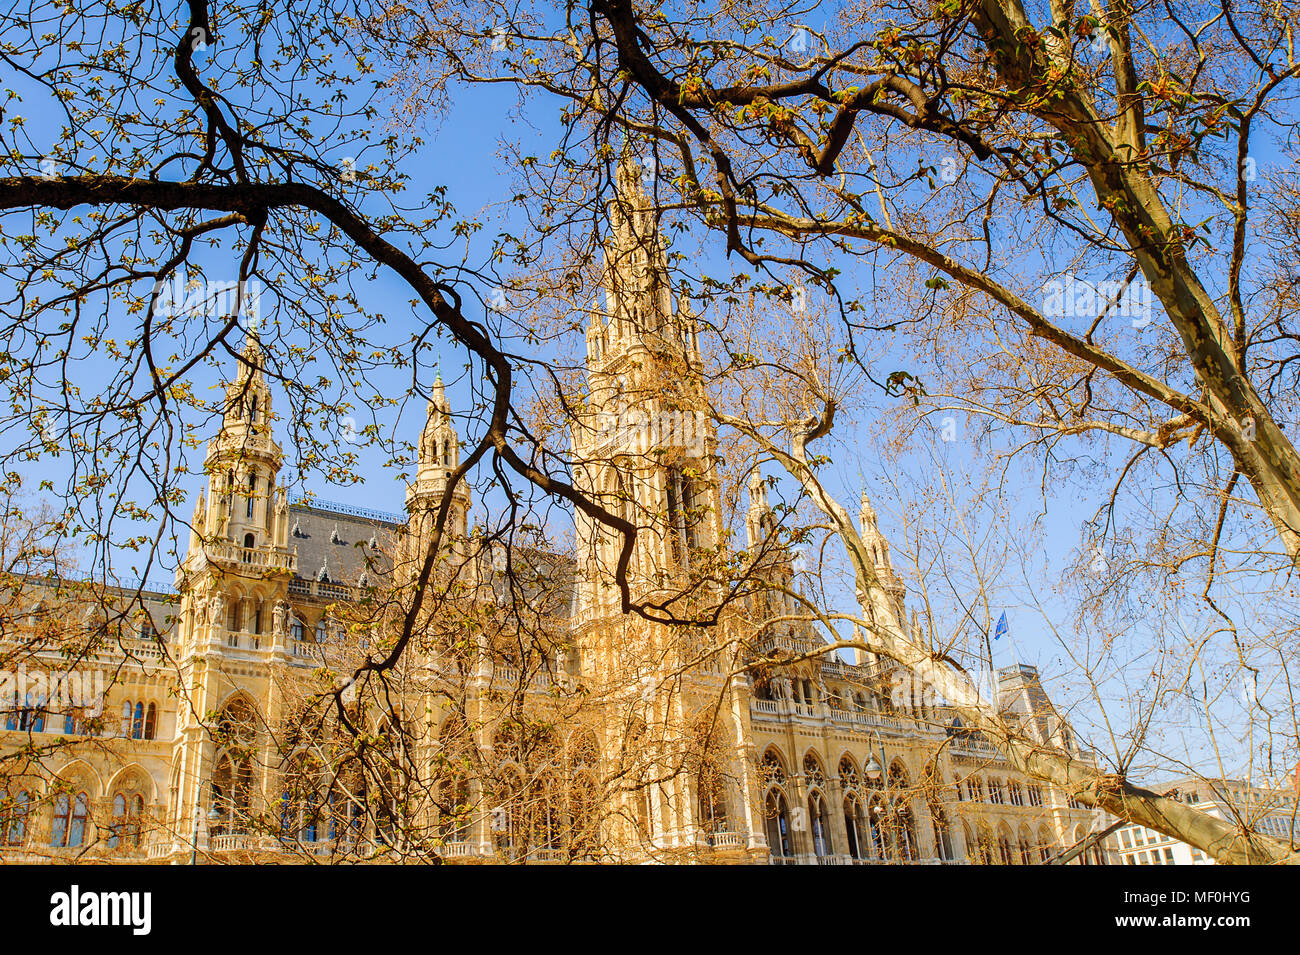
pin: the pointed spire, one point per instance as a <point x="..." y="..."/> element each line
<point x="867" y="515"/>
<point x="685" y="313"/>
<point x="253" y="343"/>
<point x="757" y="491"/>
<point x="758" y="522"/>
<point x="248" y="399"/>
<point x="878" y="547"/>
<point x="631" y="210"/>
<point x="439" y="444"/>
<point x="438" y="456"/>
<point x="628" y="175"/>
<point x="871" y="533"/>
<point x="437" y="397"/>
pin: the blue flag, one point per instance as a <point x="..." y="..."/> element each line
<point x="1001" y="627"/>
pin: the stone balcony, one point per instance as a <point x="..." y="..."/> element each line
<point x="266" y="560"/>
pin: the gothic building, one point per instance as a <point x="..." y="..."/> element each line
<point x="818" y="761"/>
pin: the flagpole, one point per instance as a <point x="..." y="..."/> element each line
<point x="992" y="676"/>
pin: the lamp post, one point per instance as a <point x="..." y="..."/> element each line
<point x="194" y="841"/>
<point x="213" y="817"/>
<point x="872" y="770"/>
<point x="875" y="773"/>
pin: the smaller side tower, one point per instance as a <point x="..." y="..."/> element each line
<point x="439" y="456"/>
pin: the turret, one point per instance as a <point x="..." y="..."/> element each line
<point x="644" y="445"/>
<point x="878" y="549"/>
<point x="238" y="563"/>
<point x="760" y="520"/>
<point x="439" y="456"/>
<point x="243" y="506"/>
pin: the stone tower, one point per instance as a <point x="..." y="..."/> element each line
<point x="439" y="456"/>
<point x="233" y="588"/>
<point x="644" y="449"/>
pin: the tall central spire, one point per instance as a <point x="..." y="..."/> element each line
<point x="638" y="312"/>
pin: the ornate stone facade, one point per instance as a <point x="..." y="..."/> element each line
<point x="819" y="761"/>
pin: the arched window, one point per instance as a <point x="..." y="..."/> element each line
<point x="252" y="493"/>
<point x="906" y="847"/>
<point x="984" y="845"/>
<point x="135" y="820"/>
<point x="812" y="771"/>
<point x="1005" y="855"/>
<point x="62" y="820"/>
<point x="1079" y="835"/>
<point x="854" y="825"/>
<point x="29" y="715"/>
<point x="126" y="719"/>
<point x="583" y="818"/>
<point x="624" y="505"/>
<point x="151" y="721"/>
<point x="1044" y="843"/>
<point x="942" y="837"/>
<point x="778" y="824"/>
<point x="231" y="793"/>
<point x="118" y="829"/>
<point x="13" y="817"/>
<point x="819" y="824"/>
<point x="876" y="822"/>
<point x="232" y="779"/>
<point x="683" y="521"/>
<point x="772" y="769"/>
<point x="1026" y="846"/>
<point x="544" y="821"/>
<point x="454" y="810"/>
<point x="137" y="724"/>
<point x="712" y="799"/>
<point x="507" y="816"/>
<point x="70" y="817"/>
<point x="249" y="543"/>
